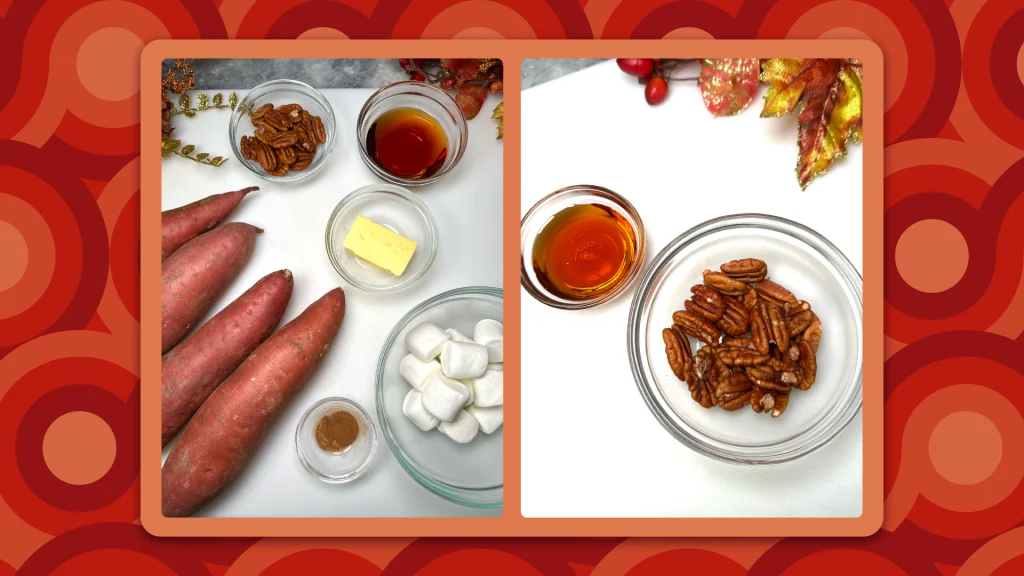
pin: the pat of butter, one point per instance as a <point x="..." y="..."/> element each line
<point x="379" y="246"/>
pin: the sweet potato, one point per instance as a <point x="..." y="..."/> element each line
<point x="196" y="366"/>
<point x="198" y="273"/>
<point x="181" y="224"/>
<point x="226" y="431"/>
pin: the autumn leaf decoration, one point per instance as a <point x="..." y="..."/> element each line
<point x="728" y="85"/>
<point x="827" y="93"/>
<point x="471" y="78"/>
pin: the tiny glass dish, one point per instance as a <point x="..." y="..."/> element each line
<point x="278" y="93"/>
<point x="335" y="467"/>
<point x="396" y="209"/>
<point x="799" y="259"/>
<point x="545" y="210"/>
<point x="426" y="98"/>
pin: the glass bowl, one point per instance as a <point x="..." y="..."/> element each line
<point x="279" y="92"/>
<point x="343" y="466"/>
<point x="812" y="268"/>
<point x="396" y="209"/>
<point x="467" y="474"/>
<point x="546" y="209"/>
<point x="422" y="96"/>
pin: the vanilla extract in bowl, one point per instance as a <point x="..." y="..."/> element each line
<point x="408" y="143"/>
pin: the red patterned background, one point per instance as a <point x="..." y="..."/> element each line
<point x="954" y="234"/>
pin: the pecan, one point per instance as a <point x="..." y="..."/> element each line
<point x="677" y="348"/>
<point x="265" y="156"/>
<point x="812" y="335"/>
<point x="305" y="142"/>
<point x="246" y="148"/>
<point x="697" y="326"/>
<point x="284" y="140"/>
<point x="706" y="302"/>
<point x="267" y="127"/>
<point x="259" y="112"/>
<point x="724" y="284"/>
<point x="277" y="119"/>
<point x="757" y="399"/>
<point x="279" y="171"/>
<point x="767" y="328"/>
<point x="749" y="299"/>
<point x="807" y="365"/>
<point x="736" y="401"/>
<point x="798" y="316"/>
<point x="766" y="377"/>
<point x="775" y="402"/>
<point x="285" y="156"/>
<point x="293" y="111"/>
<point x="733" y="356"/>
<point x="315" y="126"/>
<point x="705" y="380"/>
<point x="735" y="321"/>
<point x="738" y="342"/>
<point x="262" y="135"/>
<point x="774" y="293"/>
<point x="736" y="382"/>
<point x="746" y="269"/>
<point x="302" y="161"/>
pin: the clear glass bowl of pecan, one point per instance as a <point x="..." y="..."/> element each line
<point x="282" y="130"/>
<point x="800" y="261"/>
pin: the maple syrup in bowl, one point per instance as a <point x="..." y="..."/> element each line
<point x="580" y="247"/>
<point x="411" y="133"/>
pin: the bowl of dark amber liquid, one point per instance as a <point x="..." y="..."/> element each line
<point x="580" y="247"/>
<point x="411" y="133"/>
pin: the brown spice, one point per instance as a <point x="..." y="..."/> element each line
<point x="337" y="431"/>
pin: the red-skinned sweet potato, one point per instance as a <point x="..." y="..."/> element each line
<point x="198" y="273"/>
<point x="181" y="224"/>
<point x="226" y="431"/>
<point x="196" y="366"/>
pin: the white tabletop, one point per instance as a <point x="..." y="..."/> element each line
<point x="466" y="205"/>
<point x="590" y="446"/>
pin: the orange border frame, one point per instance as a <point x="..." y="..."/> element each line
<point x="512" y="523"/>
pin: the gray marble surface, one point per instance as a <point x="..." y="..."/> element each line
<point x="214" y="73"/>
<point x="540" y="70"/>
<point x="241" y="73"/>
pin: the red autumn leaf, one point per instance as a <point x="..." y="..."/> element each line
<point x="470" y="98"/>
<point x="464" y="69"/>
<point x="728" y="84"/>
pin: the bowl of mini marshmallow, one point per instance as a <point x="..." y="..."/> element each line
<point x="440" y="392"/>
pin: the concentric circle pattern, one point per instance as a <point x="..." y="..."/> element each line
<point x="954" y="282"/>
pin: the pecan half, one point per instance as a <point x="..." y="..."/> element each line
<point x="779" y="401"/>
<point x="774" y="293"/>
<point x="677" y="349"/>
<point x="262" y="135"/>
<point x="315" y="127"/>
<point x="697" y="326"/>
<point x="265" y="156"/>
<point x="735" y="321"/>
<point x="807" y="365"/>
<point x="767" y="328"/>
<point x="732" y="356"/>
<point x="293" y="111"/>
<point x="277" y="119"/>
<point x="812" y="335"/>
<point x="259" y="112"/>
<point x="745" y="269"/>
<point x="724" y="284"/>
<point x="705" y="381"/>
<point x="283" y="140"/>
<point x="749" y="299"/>
<point x="798" y="316"/>
<point x="267" y="127"/>
<point x="279" y="171"/>
<point x="285" y="156"/>
<point x="246" y="148"/>
<point x="767" y="377"/>
<point x="732" y="402"/>
<point x="302" y="161"/>
<point x="738" y="342"/>
<point x="706" y="302"/>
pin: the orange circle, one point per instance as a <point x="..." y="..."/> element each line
<point x="110" y="49"/>
<point x="79" y="447"/>
<point x="688" y="32"/>
<point x="15" y="255"/>
<point x="322" y="33"/>
<point x="965" y="447"/>
<point x="916" y="252"/>
<point x="1020" y="63"/>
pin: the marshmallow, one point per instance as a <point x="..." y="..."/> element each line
<point x="416" y="372"/>
<point x="469" y="386"/>
<point x="491" y="334"/>
<point x="489" y="389"/>
<point x="444" y="397"/>
<point x="490" y="419"/>
<point x="462" y="429"/>
<point x="426" y="341"/>
<point x="494" y="366"/>
<point x="458" y="336"/>
<point x="413" y="409"/>
<point x="463" y="360"/>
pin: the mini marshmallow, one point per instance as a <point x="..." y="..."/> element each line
<point x="462" y="429"/>
<point x="490" y="419"/>
<point x="426" y="341"/>
<point x="444" y="397"/>
<point x="494" y="366"/>
<point x="489" y="389"/>
<point x="491" y="334"/>
<point x="458" y="336"/>
<point x="413" y="409"/>
<point x="463" y="360"/>
<point x="416" y="372"/>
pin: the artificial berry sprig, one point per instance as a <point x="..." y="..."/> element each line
<point x="472" y="79"/>
<point x="654" y="74"/>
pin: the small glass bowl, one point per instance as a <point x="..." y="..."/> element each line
<point x="546" y="209"/>
<point x="422" y="96"/>
<point x="798" y="258"/>
<point x="396" y="209"/>
<point x="279" y="92"/>
<point x="467" y="474"/>
<point x="335" y="467"/>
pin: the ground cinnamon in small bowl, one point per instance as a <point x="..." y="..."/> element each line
<point x="336" y="431"/>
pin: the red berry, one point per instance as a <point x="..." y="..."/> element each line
<point x="418" y="62"/>
<point x="638" y="67"/>
<point x="656" y="90"/>
<point x="406" y="64"/>
<point x="418" y="76"/>
<point x="448" y="83"/>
